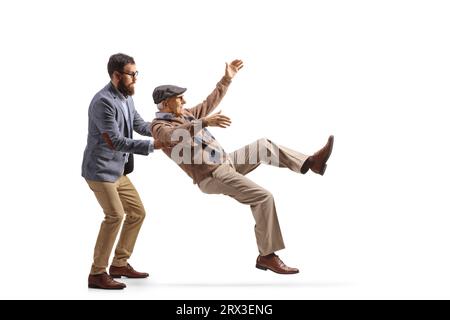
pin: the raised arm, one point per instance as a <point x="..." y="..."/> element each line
<point x="214" y="98"/>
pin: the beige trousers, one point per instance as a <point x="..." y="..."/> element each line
<point x="229" y="179"/>
<point x="117" y="199"/>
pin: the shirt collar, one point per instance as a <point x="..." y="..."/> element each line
<point x="164" y="116"/>
<point x="170" y="116"/>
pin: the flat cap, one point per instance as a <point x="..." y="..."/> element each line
<point x="161" y="93"/>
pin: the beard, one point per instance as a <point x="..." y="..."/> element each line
<point x="126" y="91"/>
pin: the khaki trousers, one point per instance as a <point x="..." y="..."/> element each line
<point x="117" y="199"/>
<point x="229" y="179"/>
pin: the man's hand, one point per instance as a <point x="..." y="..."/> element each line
<point x="216" y="120"/>
<point x="233" y="68"/>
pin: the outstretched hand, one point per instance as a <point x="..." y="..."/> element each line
<point x="216" y="120"/>
<point x="232" y="68"/>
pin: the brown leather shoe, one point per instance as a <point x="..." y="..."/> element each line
<point x="127" y="271"/>
<point x="318" y="161"/>
<point x="104" y="281"/>
<point x="274" y="263"/>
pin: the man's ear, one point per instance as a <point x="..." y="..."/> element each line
<point x="116" y="75"/>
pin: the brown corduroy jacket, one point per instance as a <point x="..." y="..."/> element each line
<point x="198" y="164"/>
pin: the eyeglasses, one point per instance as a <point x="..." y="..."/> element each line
<point x="131" y="74"/>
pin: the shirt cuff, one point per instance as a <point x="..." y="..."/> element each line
<point x="198" y="123"/>
<point x="151" y="147"/>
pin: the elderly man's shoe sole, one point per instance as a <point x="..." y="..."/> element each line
<point x="265" y="269"/>
<point x="322" y="169"/>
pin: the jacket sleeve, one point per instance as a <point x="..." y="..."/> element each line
<point x="140" y="126"/>
<point x="103" y="115"/>
<point x="167" y="133"/>
<point x="212" y="101"/>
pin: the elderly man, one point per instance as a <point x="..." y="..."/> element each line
<point x="200" y="155"/>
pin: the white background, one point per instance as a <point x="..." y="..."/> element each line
<point x="373" y="73"/>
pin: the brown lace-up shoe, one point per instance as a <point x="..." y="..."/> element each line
<point x="127" y="271"/>
<point x="273" y="263"/>
<point x="318" y="161"/>
<point x="104" y="281"/>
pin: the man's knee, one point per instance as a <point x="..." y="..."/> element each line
<point x="141" y="214"/>
<point x="264" y="196"/>
<point x="268" y="196"/>
<point x="137" y="214"/>
<point x="114" y="217"/>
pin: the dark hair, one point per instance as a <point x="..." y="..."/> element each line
<point x="117" y="62"/>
